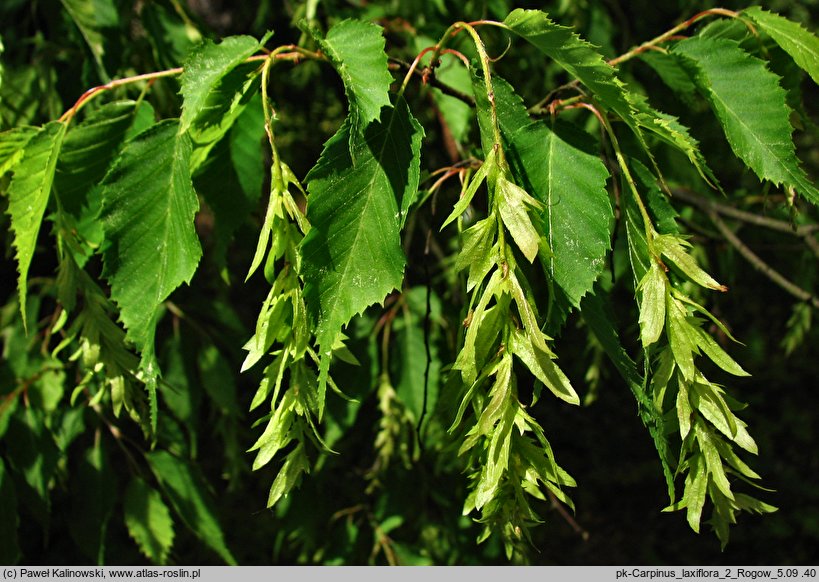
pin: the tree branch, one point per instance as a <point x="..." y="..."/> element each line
<point x="759" y="264"/>
<point x="431" y="80"/>
<point x="804" y="231"/>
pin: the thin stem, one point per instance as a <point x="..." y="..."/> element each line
<point x="267" y="109"/>
<point x="412" y="69"/>
<point x="94" y="91"/>
<point x="286" y="52"/>
<point x="669" y="34"/>
<point x="558" y="506"/>
<point x="749" y="217"/>
<point x="761" y="265"/>
<point x="621" y="161"/>
<point x="450" y="32"/>
<point x="443" y="87"/>
<point x="490" y="91"/>
<point x="385" y="345"/>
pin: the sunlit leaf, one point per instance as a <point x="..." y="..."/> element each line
<point x="654" y="288"/>
<point x="28" y="197"/>
<point x="148" y="521"/>
<point x="204" y="70"/>
<point x="356" y="49"/>
<point x="352" y="256"/>
<point x="147" y="213"/>
<point x="289" y="476"/>
<point x="12" y="146"/>
<point x="751" y="107"/>
<point x="799" y="43"/>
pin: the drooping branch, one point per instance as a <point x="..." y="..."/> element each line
<point x="759" y="264"/>
<point x="805" y="231"/>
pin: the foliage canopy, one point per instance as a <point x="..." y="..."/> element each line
<point x="493" y="190"/>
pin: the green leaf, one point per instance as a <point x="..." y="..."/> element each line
<point x="356" y="50"/>
<point x="681" y="336"/>
<point x="696" y="486"/>
<point x="204" y="70"/>
<point x="233" y="192"/>
<point x="87" y="152"/>
<point x="352" y="256"/>
<point x="218" y="379"/>
<point x="683" y="407"/>
<point x="28" y="197"/>
<point x="671" y="73"/>
<point x="247" y="152"/>
<point x="188" y="493"/>
<point x="290" y="475"/>
<point x="578" y="57"/>
<point x="223" y="107"/>
<point x="673" y="248"/>
<point x="171" y="38"/>
<point x="12" y="146"/>
<point x="558" y="168"/>
<point x="277" y="434"/>
<point x="800" y="44"/>
<point x="92" y="17"/>
<point x="9" y="518"/>
<point x="718" y="355"/>
<point x="497" y="461"/>
<point x="638" y="254"/>
<point x="498" y="400"/>
<point x="476" y="252"/>
<point x="542" y="366"/>
<point x="665" y="217"/>
<point x="671" y="131"/>
<point x="468" y="361"/>
<point x="713" y="462"/>
<point x="147" y="213"/>
<point x="411" y="359"/>
<point x="514" y="204"/>
<point x="179" y="391"/>
<point x="526" y="310"/>
<point x="512" y="113"/>
<point x="726" y="451"/>
<point x="748" y="503"/>
<point x="94" y="493"/>
<point x="751" y="106"/>
<point x="148" y="521"/>
<point x="654" y="288"/>
<point x="713" y="407"/>
<point x="144" y="117"/>
<point x="488" y="166"/>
